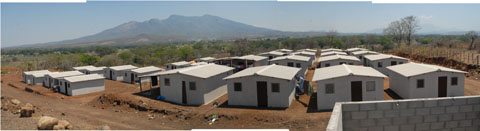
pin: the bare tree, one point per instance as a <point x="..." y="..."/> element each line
<point x="394" y="31"/>
<point x="472" y="35"/>
<point x="331" y="35"/>
<point x="410" y="27"/>
<point x="403" y="29"/>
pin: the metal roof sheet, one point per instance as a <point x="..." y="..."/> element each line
<point x="96" y="68"/>
<point x="277" y="53"/>
<point x="345" y="70"/>
<point x="41" y="74"/>
<point x="292" y="57"/>
<point x="147" y="69"/>
<point x="84" y="78"/>
<point x="305" y="53"/>
<point x="355" y="49"/>
<point x="123" y="67"/>
<point x="332" y="49"/>
<point x="284" y="50"/>
<point x="82" y="67"/>
<point x="201" y="71"/>
<point x="180" y="63"/>
<point x="363" y="52"/>
<point x="275" y="71"/>
<point x="253" y="57"/>
<point x="413" y="69"/>
<point x="374" y="57"/>
<point x="38" y="71"/>
<point x="308" y="50"/>
<point x="332" y="53"/>
<point x="65" y="74"/>
<point x="207" y="58"/>
<point x="335" y="57"/>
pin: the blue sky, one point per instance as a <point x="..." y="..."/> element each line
<point x="38" y="23"/>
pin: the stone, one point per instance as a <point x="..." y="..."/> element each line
<point x="65" y="124"/>
<point x="15" y="101"/>
<point x="47" y="123"/>
<point x="105" y="127"/>
<point x="27" y="111"/>
<point x="58" y="127"/>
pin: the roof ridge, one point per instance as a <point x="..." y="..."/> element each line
<point x="261" y="70"/>
<point x="430" y="66"/>
<point x="348" y="69"/>
<point x="191" y="68"/>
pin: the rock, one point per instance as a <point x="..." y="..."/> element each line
<point x="27" y="111"/>
<point x="63" y="97"/>
<point x="15" y="101"/>
<point x="30" y="105"/>
<point x="105" y="127"/>
<point x="58" y="127"/>
<point x="47" y="123"/>
<point x="65" y="124"/>
<point x="5" y="108"/>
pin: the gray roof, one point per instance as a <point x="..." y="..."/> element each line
<point x="345" y="70"/>
<point x="292" y="57"/>
<point x="355" y="49"/>
<point x="332" y="53"/>
<point x="336" y="57"/>
<point x="382" y="56"/>
<point x="206" y="59"/>
<point x="199" y="63"/>
<point x="308" y="50"/>
<point x="413" y="69"/>
<point x="363" y="52"/>
<point x="200" y="71"/>
<point x="305" y="53"/>
<point x="38" y="71"/>
<point x="180" y="63"/>
<point x="147" y="69"/>
<point x="253" y="57"/>
<point x="275" y="71"/>
<point x="331" y="49"/>
<point x="65" y="74"/>
<point x="42" y="74"/>
<point x="96" y="68"/>
<point x="83" y="67"/>
<point x="84" y="78"/>
<point x="284" y="50"/>
<point x="123" y="67"/>
<point x="277" y="53"/>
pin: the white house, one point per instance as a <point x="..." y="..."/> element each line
<point x="52" y="80"/>
<point x="177" y="65"/>
<point x="414" y="80"/>
<point x="117" y="73"/>
<point x="82" y="68"/>
<point x="82" y="84"/>
<point x="324" y="54"/>
<point x="195" y="85"/>
<point x="133" y="75"/>
<point x="25" y="74"/>
<point x="308" y="50"/>
<point x="302" y="62"/>
<point x="206" y="59"/>
<point x="94" y="70"/>
<point x="350" y="50"/>
<point x="37" y="78"/>
<point x="272" y="54"/>
<point x="286" y="51"/>
<point x="343" y="83"/>
<point x="330" y="50"/>
<point x="312" y="55"/>
<point x="258" y="60"/>
<point x="380" y="61"/>
<point x="337" y="60"/>
<point x="360" y="54"/>
<point x="263" y="86"/>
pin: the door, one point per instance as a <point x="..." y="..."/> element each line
<point x="154" y="80"/>
<point x="65" y="86"/>
<point x="184" y="93"/>
<point x="442" y="86"/>
<point x="132" y="79"/>
<point x="392" y="63"/>
<point x="262" y="98"/>
<point x="356" y="90"/>
<point x="111" y="75"/>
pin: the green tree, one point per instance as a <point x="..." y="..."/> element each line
<point x="105" y="50"/>
<point x="126" y="57"/>
<point x="185" y="52"/>
<point x="87" y="59"/>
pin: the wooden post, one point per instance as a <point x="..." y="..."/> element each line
<point x="473" y="58"/>
<point x="478" y="63"/>
<point x="140" y="85"/>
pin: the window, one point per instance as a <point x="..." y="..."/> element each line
<point x="275" y="87"/>
<point x="327" y="65"/>
<point x="342" y="63"/>
<point x="454" y="81"/>
<point x="270" y="57"/>
<point x="237" y="86"/>
<point x="380" y="64"/>
<point x="68" y="85"/>
<point x="370" y="85"/>
<point x="125" y="74"/>
<point x="299" y="65"/>
<point x="329" y="88"/>
<point x="393" y="63"/>
<point x="136" y="75"/>
<point x="420" y="83"/>
<point x="290" y="64"/>
<point x="167" y="82"/>
<point x="192" y="86"/>
<point x="400" y="62"/>
<point x="350" y="63"/>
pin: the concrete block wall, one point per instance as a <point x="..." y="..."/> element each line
<point x="448" y="113"/>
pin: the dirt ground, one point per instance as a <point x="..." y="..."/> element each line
<point x="122" y="106"/>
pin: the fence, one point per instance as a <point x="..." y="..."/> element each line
<point x="460" y="55"/>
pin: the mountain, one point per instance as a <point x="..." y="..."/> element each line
<point x="175" y="28"/>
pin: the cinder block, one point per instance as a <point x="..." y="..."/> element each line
<point x="367" y="107"/>
<point x="437" y="125"/>
<point x="472" y="128"/>
<point x="451" y="124"/>
<point x="346" y="115"/>
<point x="422" y="126"/>
<point x="407" y="127"/>
<point x="400" y="121"/>
<point x="384" y="106"/>
<point x="430" y="118"/>
<point x="476" y="122"/>
<point x="392" y="128"/>
<point x="466" y="108"/>
<point x="359" y="115"/>
<point x="430" y="103"/>
<point x="392" y="113"/>
<point x="384" y="121"/>
<point x="400" y="105"/>
<point x="445" y="117"/>
<point x="452" y="109"/>
<point x="415" y="104"/>
<point x="437" y="110"/>
<point x="367" y="123"/>
<point x="415" y="119"/>
<point x="350" y="107"/>
<point x="377" y="128"/>
<point x="476" y="107"/>
<point x="472" y="115"/>
<point x="459" y="116"/>
<point x="464" y="123"/>
<point x="445" y="102"/>
<point x="407" y="112"/>
<point x="458" y="129"/>
<point x="375" y="114"/>
<point x="351" y="123"/>
<point x="475" y="100"/>
<point x="460" y="101"/>
<point x="422" y="111"/>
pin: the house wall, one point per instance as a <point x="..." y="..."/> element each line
<point x="342" y="91"/>
<point x="303" y="67"/>
<point x="399" y="84"/>
<point x="61" y="86"/>
<point x="215" y="87"/>
<point x="118" y="75"/>
<point x="449" y="113"/>
<point x="248" y="95"/>
<point x="100" y="72"/>
<point x="385" y="63"/>
<point x="431" y="85"/>
<point x="337" y="62"/>
<point x="261" y="62"/>
<point x="86" y="87"/>
<point x="31" y="80"/>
